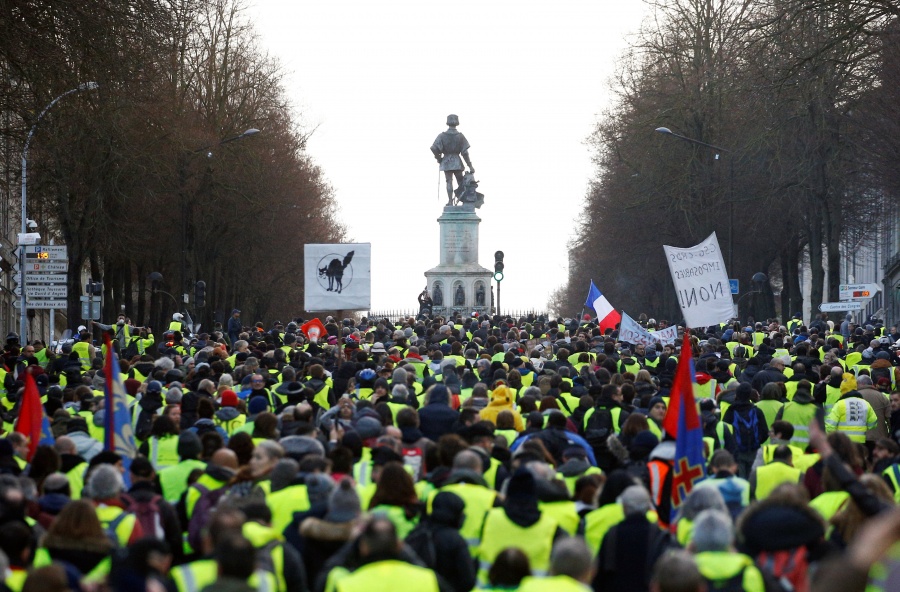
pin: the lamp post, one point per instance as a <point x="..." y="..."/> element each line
<point x="184" y="203"/>
<point x="667" y="131"/>
<point x="22" y="271"/>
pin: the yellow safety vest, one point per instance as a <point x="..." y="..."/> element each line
<point x="768" y="477"/>
<point x="174" y="480"/>
<point x="196" y="575"/>
<point x="163" y="451"/>
<point x="478" y="501"/>
<point x="284" y="502"/>
<point x="388" y="576"/>
<point x="536" y="541"/>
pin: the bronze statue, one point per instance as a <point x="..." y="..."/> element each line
<point x="448" y="147"/>
<point x="479" y="295"/>
<point x="460" y="298"/>
<point x="438" y="299"/>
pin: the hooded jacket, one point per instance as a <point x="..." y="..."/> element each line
<point x="437" y="417"/>
<point x="502" y="400"/>
<point x="438" y="542"/>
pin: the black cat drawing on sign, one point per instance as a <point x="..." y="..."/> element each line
<point x="334" y="272"/>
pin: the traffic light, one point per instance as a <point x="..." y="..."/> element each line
<point x="200" y="294"/>
<point x="498" y="266"/>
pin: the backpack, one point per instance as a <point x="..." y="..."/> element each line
<point x="110" y="528"/>
<point x="132" y="349"/>
<point x="143" y="425"/>
<point x="148" y="515"/>
<point x="209" y="499"/>
<point x="596" y="433"/>
<point x="746" y="432"/>
<point x="789" y="567"/>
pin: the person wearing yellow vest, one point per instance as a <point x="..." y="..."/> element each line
<point x="381" y="568"/>
<point x="438" y="542"/>
<point x="828" y="393"/>
<point x="16" y="543"/>
<point x="780" y="434"/>
<point x="162" y="445"/>
<point x="72" y="465"/>
<point x="712" y="543"/>
<point x="234" y="558"/>
<point x="735" y="491"/>
<point x="765" y="478"/>
<point x="633" y="542"/>
<point x="106" y="487"/>
<point x="173" y="481"/>
<point x="519" y="523"/>
<point x="571" y="569"/>
<point x="799" y="412"/>
<point x="272" y="554"/>
<point x="853" y="416"/>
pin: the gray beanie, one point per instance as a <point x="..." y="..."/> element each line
<point x="319" y="487"/>
<point x="344" y="504"/>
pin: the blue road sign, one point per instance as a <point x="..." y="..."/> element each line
<point x="734" y="286"/>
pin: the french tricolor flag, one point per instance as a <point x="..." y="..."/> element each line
<point x="608" y="316"/>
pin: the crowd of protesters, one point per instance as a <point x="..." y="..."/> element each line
<point x="449" y="454"/>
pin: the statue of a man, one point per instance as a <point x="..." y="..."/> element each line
<point x="447" y="149"/>
<point x="438" y="299"/>
<point x="460" y="298"/>
<point x="479" y="295"/>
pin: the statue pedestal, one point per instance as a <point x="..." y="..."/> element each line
<point x="459" y="284"/>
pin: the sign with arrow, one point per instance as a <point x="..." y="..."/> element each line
<point x="857" y="291"/>
<point x="840" y="306"/>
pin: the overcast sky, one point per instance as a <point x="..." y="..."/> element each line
<point x="377" y="79"/>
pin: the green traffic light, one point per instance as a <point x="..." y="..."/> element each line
<point x="498" y="276"/>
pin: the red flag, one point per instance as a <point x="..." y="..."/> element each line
<point x="314" y="330"/>
<point x="31" y="415"/>
<point x="682" y="389"/>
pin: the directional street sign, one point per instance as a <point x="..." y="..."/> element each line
<point x="45" y="291"/>
<point x="38" y="277"/>
<point x="31" y="267"/>
<point x="46" y="253"/>
<point x="86" y="309"/>
<point x="857" y="291"/>
<point x="45" y="304"/>
<point x="840" y="306"/>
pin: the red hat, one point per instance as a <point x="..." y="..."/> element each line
<point x="229" y="398"/>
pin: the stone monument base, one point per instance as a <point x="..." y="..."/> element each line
<point x="459" y="284"/>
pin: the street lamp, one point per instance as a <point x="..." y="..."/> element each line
<point x="22" y="271"/>
<point x="668" y="132"/>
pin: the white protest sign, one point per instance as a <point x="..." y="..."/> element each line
<point x="701" y="282"/>
<point x="667" y="336"/>
<point x="631" y="332"/>
<point x="338" y="277"/>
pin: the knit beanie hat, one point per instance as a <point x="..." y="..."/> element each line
<point x="257" y="405"/>
<point x="229" y="398"/>
<point x="344" y="504"/>
<point x="319" y="487"/>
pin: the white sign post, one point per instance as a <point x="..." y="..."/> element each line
<point x="700" y="279"/>
<point x="857" y="291"/>
<point x="840" y="306"/>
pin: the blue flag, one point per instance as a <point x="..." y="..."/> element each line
<point x="119" y="432"/>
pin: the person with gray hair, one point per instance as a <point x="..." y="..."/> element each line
<point x="676" y="571"/>
<point x="698" y="500"/>
<point x="719" y="564"/>
<point x="105" y="487"/>
<point x="636" y="541"/>
<point x="571" y="568"/>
